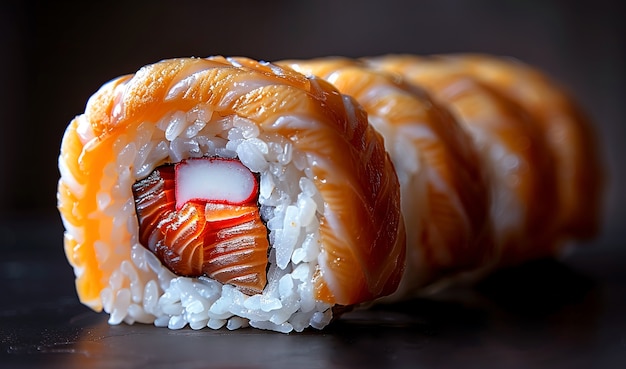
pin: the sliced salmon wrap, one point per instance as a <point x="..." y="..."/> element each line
<point x="519" y="164"/>
<point x="485" y="180"/>
<point x="567" y="131"/>
<point x="226" y="192"/>
<point x="444" y="188"/>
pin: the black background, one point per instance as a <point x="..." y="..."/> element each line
<point x="55" y="54"/>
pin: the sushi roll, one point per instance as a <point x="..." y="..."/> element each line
<point x="476" y="150"/>
<point x="571" y="141"/>
<point x="519" y="165"/>
<point x="225" y="192"/>
<point x="444" y="188"/>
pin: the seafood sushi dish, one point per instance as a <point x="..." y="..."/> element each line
<point x="567" y="131"/>
<point x="228" y="192"/>
<point x="206" y="192"/>
<point x="444" y="188"/>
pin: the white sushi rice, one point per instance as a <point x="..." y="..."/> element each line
<point x="141" y="289"/>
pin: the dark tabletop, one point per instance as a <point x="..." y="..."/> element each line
<point x="567" y="313"/>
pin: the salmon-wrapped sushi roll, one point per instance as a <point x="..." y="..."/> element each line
<point x="445" y="194"/>
<point x="519" y="164"/>
<point x="567" y="131"/>
<point x="227" y="192"/>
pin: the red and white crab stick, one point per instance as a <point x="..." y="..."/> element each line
<point x="215" y="180"/>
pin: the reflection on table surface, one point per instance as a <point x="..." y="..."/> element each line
<point x="547" y="313"/>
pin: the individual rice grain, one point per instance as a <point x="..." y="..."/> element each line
<point x="302" y="272"/>
<point x="194" y="128"/>
<point x="136" y="313"/>
<point x="306" y="209"/>
<point x="176" y="322"/>
<point x="120" y="306"/>
<point x="151" y="298"/>
<point x="298" y="255"/>
<point x="252" y="153"/>
<point x="127" y="155"/>
<point x="198" y="324"/>
<point x="129" y="271"/>
<point x="176" y="124"/>
<point x="285" y="286"/>
<point x="208" y="288"/>
<point x="183" y="148"/>
<point x="266" y="186"/>
<point x="162" y="321"/>
<point x="320" y="319"/>
<point x="236" y="323"/>
<point x="216" y="323"/>
<point x="138" y="257"/>
<point x="285" y="156"/>
<point x="106" y="296"/>
<point x="291" y="304"/>
<point x="165" y="277"/>
<point x="307" y="301"/>
<point x="153" y="262"/>
<point x="170" y="307"/>
<point x="142" y="157"/>
<point x="300" y="320"/>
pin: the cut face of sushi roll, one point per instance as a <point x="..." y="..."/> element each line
<point x="444" y="190"/>
<point x="212" y="226"/>
<point x="227" y="192"/>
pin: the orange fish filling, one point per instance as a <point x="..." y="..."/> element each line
<point x="224" y="241"/>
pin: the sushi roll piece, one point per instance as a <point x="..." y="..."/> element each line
<point x="444" y="189"/>
<point x="225" y="192"/>
<point x="515" y="154"/>
<point x="473" y="151"/>
<point x="568" y="132"/>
